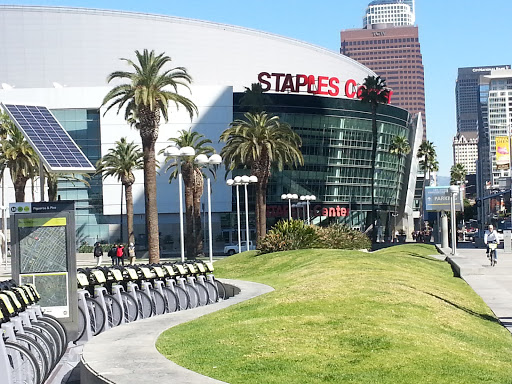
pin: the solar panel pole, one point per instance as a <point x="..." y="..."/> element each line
<point x="41" y="178"/>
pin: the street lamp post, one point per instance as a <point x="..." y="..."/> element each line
<point x="454" y="190"/>
<point x="212" y="160"/>
<point x="237" y="182"/>
<point x="307" y="199"/>
<point x="289" y="197"/>
<point x="245" y="181"/>
<point x="178" y="153"/>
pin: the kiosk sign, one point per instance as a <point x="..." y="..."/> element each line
<point x="43" y="253"/>
<point x="438" y="199"/>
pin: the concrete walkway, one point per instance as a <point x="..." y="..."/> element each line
<point x="492" y="284"/>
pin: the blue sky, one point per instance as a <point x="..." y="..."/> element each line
<point x="453" y="34"/>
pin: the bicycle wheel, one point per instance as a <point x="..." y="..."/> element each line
<point x="97" y="315"/>
<point x="23" y="364"/>
<point x="213" y="293"/>
<point x="81" y="325"/>
<point x="158" y="302"/>
<point x="193" y="295"/>
<point x="61" y="341"/>
<point x="204" y="297"/>
<point x="493" y="258"/>
<point x="115" y="313"/>
<point x="59" y="326"/>
<point x="130" y="307"/>
<point x="51" y="335"/>
<point x="221" y="289"/>
<point x="45" y="344"/>
<point x="171" y="300"/>
<point x="38" y="352"/>
<point x="183" y="298"/>
<point x="145" y="304"/>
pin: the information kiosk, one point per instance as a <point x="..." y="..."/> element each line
<point x="44" y="253"/>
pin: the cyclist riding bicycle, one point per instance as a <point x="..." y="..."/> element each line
<point x="491" y="236"/>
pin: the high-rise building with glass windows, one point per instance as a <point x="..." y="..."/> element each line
<point x="394" y="53"/>
<point x="389" y="13"/>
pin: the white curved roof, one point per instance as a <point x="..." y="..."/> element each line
<point x="80" y="47"/>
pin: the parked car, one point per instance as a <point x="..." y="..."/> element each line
<point x="233" y="248"/>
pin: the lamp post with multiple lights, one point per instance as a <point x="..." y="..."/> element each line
<point x="307" y="199"/>
<point x="289" y="197"/>
<point x="214" y="160"/>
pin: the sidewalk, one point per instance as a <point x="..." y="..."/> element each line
<point x="492" y="284"/>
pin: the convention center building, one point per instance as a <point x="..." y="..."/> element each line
<point x="60" y="58"/>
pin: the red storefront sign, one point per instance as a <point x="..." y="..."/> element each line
<point x="315" y="210"/>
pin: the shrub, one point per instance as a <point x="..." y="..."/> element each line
<point x="294" y="234"/>
<point x="339" y="236"/>
<point x="288" y="235"/>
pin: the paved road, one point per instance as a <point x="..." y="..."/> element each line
<point x="492" y="284"/>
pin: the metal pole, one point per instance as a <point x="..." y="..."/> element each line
<point x="307" y="206"/>
<point x="121" y="216"/>
<point x="246" y="218"/>
<point x="41" y="179"/>
<point x="210" y="244"/>
<point x="4" y="219"/>
<point x="454" y="219"/>
<point x="182" y="236"/>
<point x="238" y="219"/>
<point x="290" y="209"/>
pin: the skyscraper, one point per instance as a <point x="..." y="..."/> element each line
<point x="467" y="96"/>
<point x="391" y="13"/>
<point x="389" y="45"/>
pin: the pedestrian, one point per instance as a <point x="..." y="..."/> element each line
<point x="125" y="254"/>
<point x="120" y="254"/>
<point x="98" y="253"/>
<point x="131" y="253"/>
<point x="113" y="254"/>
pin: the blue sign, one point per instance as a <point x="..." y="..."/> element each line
<point x="438" y="199"/>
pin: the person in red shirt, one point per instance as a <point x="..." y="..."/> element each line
<point x="120" y="254"/>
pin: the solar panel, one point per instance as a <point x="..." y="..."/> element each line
<point x="56" y="149"/>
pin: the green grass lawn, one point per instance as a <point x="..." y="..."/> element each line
<point x="392" y="316"/>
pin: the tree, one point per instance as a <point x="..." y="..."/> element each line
<point x="400" y="147"/>
<point x="53" y="178"/>
<point x="259" y="142"/>
<point x="146" y="97"/>
<point x="428" y="163"/>
<point x="457" y="174"/>
<point x="22" y="161"/>
<point x="193" y="179"/>
<point x="120" y="162"/>
<point x="255" y="99"/>
<point x="375" y="92"/>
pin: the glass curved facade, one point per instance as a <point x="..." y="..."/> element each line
<point x="337" y="139"/>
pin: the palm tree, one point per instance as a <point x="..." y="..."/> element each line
<point x="400" y="147"/>
<point x="53" y="178"/>
<point x="458" y="174"/>
<point x="427" y="155"/>
<point x="120" y="162"/>
<point x="255" y="99"/>
<point x="21" y="160"/>
<point x="259" y="142"/>
<point x="193" y="179"/>
<point x="146" y="96"/>
<point x="375" y="92"/>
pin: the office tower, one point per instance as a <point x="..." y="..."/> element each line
<point x="389" y="13"/>
<point x="465" y="150"/>
<point x="467" y="96"/>
<point x="394" y="54"/>
<point x="499" y="119"/>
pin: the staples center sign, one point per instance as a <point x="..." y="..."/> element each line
<point x="315" y="85"/>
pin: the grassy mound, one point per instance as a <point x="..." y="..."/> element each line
<point x="393" y="316"/>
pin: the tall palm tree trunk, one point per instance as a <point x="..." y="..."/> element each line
<point x="19" y="189"/>
<point x="190" y="247"/>
<point x="261" y="210"/>
<point x="198" y="228"/>
<point x="374" y="157"/>
<point x="129" y="212"/>
<point x="148" y="149"/>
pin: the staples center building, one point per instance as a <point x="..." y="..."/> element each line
<point x="60" y="58"/>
